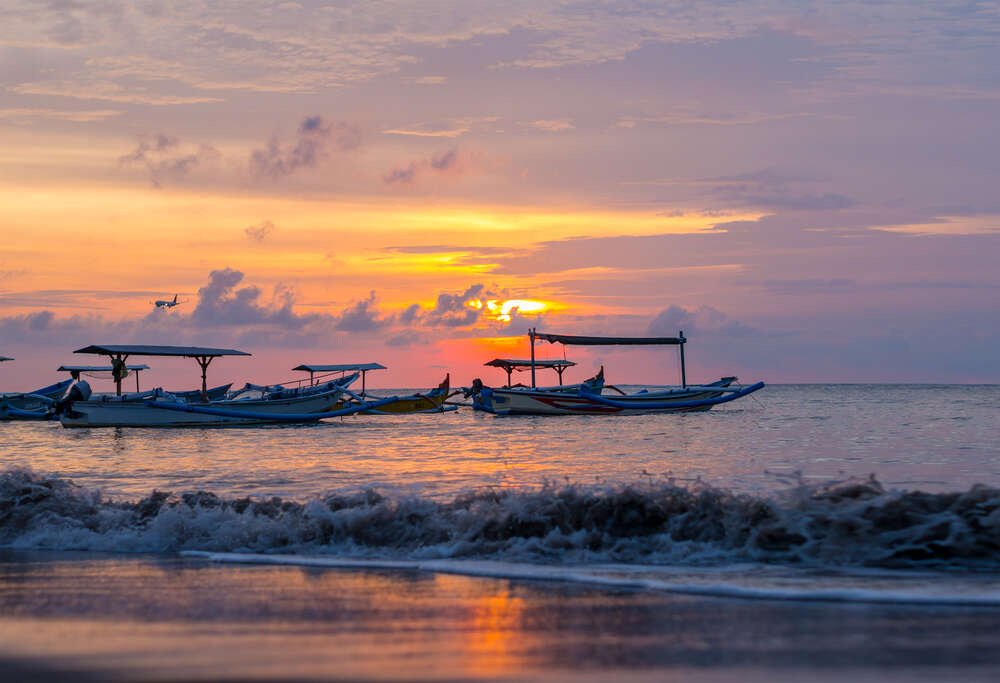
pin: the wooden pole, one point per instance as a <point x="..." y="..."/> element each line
<point x="137" y="381"/>
<point x="531" y="336"/>
<point x="203" y="361"/>
<point x="683" y="370"/>
<point x="509" y="370"/>
<point x="560" y="369"/>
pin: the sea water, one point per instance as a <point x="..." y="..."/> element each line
<point x="846" y="494"/>
<point x="802" y="533"/>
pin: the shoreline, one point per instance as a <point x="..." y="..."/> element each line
<point x="154" y="618"/>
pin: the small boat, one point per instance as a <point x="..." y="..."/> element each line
<point x="432" y="401"/>
<point x="590" y="397"/>
<point x="33" y="405"/>
<point x="286" y="406"/>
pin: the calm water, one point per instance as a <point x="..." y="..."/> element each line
<point x="933" y="438"/>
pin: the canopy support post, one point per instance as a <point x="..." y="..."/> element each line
<point x="683" y="370"/>
<point x="120" y="358"/>
<point x="137" y="381"/>
<point x="560" y="369"/>
<point x="531" y="336"/>
<point x="509" y="370"/>
<point x="364" y="373"/>
<point x="203" y="361"/>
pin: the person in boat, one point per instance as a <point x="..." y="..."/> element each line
<point x="78" y="391"/>
<point x="118" y="370"/>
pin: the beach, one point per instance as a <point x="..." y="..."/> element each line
<point x="166" y="618"/>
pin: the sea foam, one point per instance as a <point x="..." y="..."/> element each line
<point x="852" y="523"/>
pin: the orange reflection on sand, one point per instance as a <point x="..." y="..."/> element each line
<point x="495" y="636"/>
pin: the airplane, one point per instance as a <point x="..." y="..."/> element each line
<point x="162" y="303"/>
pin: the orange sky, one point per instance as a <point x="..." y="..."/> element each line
<point x="803" y="198"/>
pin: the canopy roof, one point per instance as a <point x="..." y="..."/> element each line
<point x="607" y="341"/>
<point x="340" y="368"/>
<point x="97" y="368"/>
<point x="515" y="364"/>
<point x="3" y="358"/>
<point x="182" y="351"/>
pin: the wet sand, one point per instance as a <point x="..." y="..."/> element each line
<point x="159" y="618"/>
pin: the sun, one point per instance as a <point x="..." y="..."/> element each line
<point x="502" y="311"/>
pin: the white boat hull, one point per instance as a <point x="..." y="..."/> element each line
<point x="115" y="413"/>
<point x="535" y="402"/>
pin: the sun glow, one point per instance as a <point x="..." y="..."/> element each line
<point x="502" y="311"/>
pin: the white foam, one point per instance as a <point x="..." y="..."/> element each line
<point x="621" y="577"/>
<point x="854" y="524"/>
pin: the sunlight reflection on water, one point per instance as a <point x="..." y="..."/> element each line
<point x="911" y="436"/>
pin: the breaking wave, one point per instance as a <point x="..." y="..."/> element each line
<point x="853" y="523"/>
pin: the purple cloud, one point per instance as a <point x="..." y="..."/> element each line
<point x="445" y="163"/>
<point x="314" y="140"/>
<point x="160" y="155"/>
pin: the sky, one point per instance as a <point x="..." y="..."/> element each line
<point x="810" y="191"/>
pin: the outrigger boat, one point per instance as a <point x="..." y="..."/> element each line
<point x="33" y="405"/>
<point x="432" y="401"/>
<point x="276" y="407"/>
<point x="589" y="398"/>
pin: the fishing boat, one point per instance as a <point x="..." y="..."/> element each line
<point x="432" y="401"/>
<point x="169" y="411"/>
<point x="593" y="398"/>
<point x="33" y="405"/>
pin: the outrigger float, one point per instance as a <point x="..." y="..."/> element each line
<point x="588" y="398"/>
<point x="276" y="405"/>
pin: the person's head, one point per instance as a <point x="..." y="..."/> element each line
<point x="75" y="374"/>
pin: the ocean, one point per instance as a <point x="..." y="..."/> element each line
<point x="807" y="531"/>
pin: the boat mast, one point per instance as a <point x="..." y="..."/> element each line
<point x="684" y="383"/>
<point x="531" y="336"/>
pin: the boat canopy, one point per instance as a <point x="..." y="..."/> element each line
<point x="98" y="368"/>
<point x="515" y="364"/>
<point x="363" y="368"/>
<point x="356" y="367"/>
<point x="607" y="341"/>
<point x="202" y="354"/>
<point x="512" y="364"/>
<point x="533" y="334"/>
<point x="181" y="351"/>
